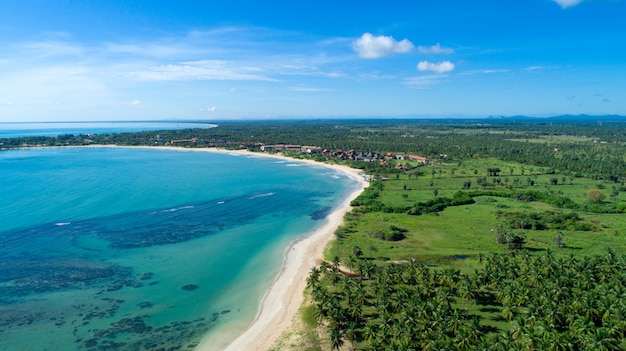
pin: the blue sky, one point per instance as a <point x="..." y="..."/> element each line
<point x="69" y="60"/>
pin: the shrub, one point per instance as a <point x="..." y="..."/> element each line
<point x="543" y="221"/>
<point x="393" y="233"/>
<point x="595" y="195"/>
<point x="439" y="204"/>
<point x="513" y="241"/>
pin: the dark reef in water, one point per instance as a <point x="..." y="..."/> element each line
<point x="68" y="256"/>
<point x="24" y="272"/>
<point x="152" y="227"/>
<point x="145" y="304"/>
<point x="130" y="334"/>
<point x="321" y="214"/>
<point x="21" y="277"/>
<point x="190" y="287"/>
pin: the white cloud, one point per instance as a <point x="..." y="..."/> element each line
<point x="435" y="49"/>
<point x="200" y="70"/>
<point x="485" y="71"/>
<point x="424" y="82"/>
<point x="307" y="89"/>
<point x="539" y="68"/>
<point x="156" y="50"/>
<point x="306" y="67"/>
<point x="371" y="47"/>
<point x="44" y="49"/>
<point x="374" y="76"/>
<point x="567" y="3"/>
<point x="440" y="67"/>
<point x="208" y="109"/>
<point x="135" y="102"/>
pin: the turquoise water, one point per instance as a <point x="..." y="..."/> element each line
<point x="139" y="249"/>
<point x="18" y="129"/>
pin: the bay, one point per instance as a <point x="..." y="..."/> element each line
<point x="137" y="249"/>
<point x="48" y="129"/>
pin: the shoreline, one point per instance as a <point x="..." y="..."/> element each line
<point x="282" y="301"/>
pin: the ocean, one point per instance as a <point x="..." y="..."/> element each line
<point x="22" y="129"/>
<point x="144" y="249"/>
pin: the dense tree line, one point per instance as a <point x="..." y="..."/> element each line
<point x="440" y="140"/>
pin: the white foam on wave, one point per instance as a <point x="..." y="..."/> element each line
<point x="220" y="202"/>
<point x="260" y="195"/>
<point x="294" y="165"/>
<point x="177" y="208"/>
<point x="60" y="224"/>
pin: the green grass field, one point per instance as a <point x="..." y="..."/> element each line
<point x="458" y="234"/>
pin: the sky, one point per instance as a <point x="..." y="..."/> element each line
<point x="106" y="60"/>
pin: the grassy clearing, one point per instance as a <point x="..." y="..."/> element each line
<point x="457" y="235"/>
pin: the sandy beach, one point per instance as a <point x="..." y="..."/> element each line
<point x="285" y="296"/>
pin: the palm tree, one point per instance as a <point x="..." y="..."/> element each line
<point x="319" y="312"/>
<point x="368" y="269"/>
<point x="313" y="279"/>
<point x="324" y="267"/>
<point x="601" y="340"/>
<point x="352" y="331"/>
<point x="335" y="337"/>
<point x="369" y="332"/>
<point x="556" y="341"/>
<point x="334" y="275"/>
<point x="503" y="342"/>
<point x="355" y="310"/>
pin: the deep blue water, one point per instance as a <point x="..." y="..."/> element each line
<point x="136" y="249"/>
<point x="16" y="129"/>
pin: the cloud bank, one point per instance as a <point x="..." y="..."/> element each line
<point x="371" y="47"/>
<point x="440" y="67"/>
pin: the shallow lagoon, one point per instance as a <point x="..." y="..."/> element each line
<point x="136" y="249"/>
